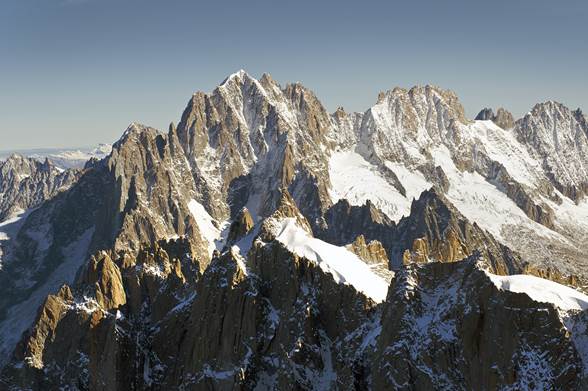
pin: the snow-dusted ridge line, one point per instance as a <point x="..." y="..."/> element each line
<point x="345" y="266"/>
<point x="542" y="290"/>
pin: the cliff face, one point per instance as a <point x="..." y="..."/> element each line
<point x="277" y="320"/>
<point x="155" y="322"/>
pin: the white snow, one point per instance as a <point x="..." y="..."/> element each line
<point x="7" y="225"/>
<point x="66" y="158"/>
<point x="152" y="270"/>
<point x="345" y="266"/>
<point x="206" y="224"/>
<point x="414" y="181"/>
<point x="357" y="180"/>
<point x="244" y="244"/>
<point x="571" y="215"/>
<point x="239" y="74"/>
<point x="542" y="290"/>
<point x="87" y="305"/>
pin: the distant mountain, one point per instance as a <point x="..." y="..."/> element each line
<point x="264" y="243"/>
<point x="26" y="182"/>
<point x="63" y="158"/>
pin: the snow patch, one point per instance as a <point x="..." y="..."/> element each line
<point x="9" y="228"/>
<point x="503" y="147"/>
<point x="206" y="224"/>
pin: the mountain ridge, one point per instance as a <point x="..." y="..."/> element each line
<point x="410" y="184"/>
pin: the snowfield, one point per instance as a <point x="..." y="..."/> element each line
<point x="357" y="180"/>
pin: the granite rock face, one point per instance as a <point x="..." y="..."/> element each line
<point x="436" y="231"/>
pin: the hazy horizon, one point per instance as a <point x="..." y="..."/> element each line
<point x="77" y="72"/>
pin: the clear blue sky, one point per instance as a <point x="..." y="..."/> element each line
<point x="76" y="72"/>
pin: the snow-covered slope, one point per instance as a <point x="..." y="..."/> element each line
<point x="558" y="138"/>
<point x="344" y="266"/>
<point x="8" y="229"/>
<point x="356" y="180"/>
<point x="209" y="227"/>
<point x="542" y="290"/>
<point x="411" y="140"/>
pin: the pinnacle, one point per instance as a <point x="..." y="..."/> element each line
<point x="240" y="74"/>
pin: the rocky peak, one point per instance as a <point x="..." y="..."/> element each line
<point x="286" y="208"/>
<point x="486" y="114"/>
<point x="17" y="167"/>
<point x="502" y="118"/>
<point x="102" y="273"/>
<point x="416" y="103"/>
<point x="251" y="136"/>
<point x="437" y="231"/>
<point x="451" y="320"/>
<point x="372" y="253"/>
<point x="237" y="76"/>
<point x="558" y="138"/>
<point x="347" y="127"/>
<point x="26" y="182"/>
<point x="405" y="123"/>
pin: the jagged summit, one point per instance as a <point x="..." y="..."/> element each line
<point x="502" y="118"/>
<point x="240" y="74"/>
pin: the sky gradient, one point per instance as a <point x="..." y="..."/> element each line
<point x="77" y="72"/>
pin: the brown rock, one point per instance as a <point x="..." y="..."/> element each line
<point x="241" y="226"/>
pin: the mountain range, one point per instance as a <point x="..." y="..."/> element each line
<point x="264" y="243"/>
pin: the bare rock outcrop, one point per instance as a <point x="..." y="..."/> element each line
<point x="241" y="226"/>
<point x="436" y="231"/>
<point x="502" y="118"/>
